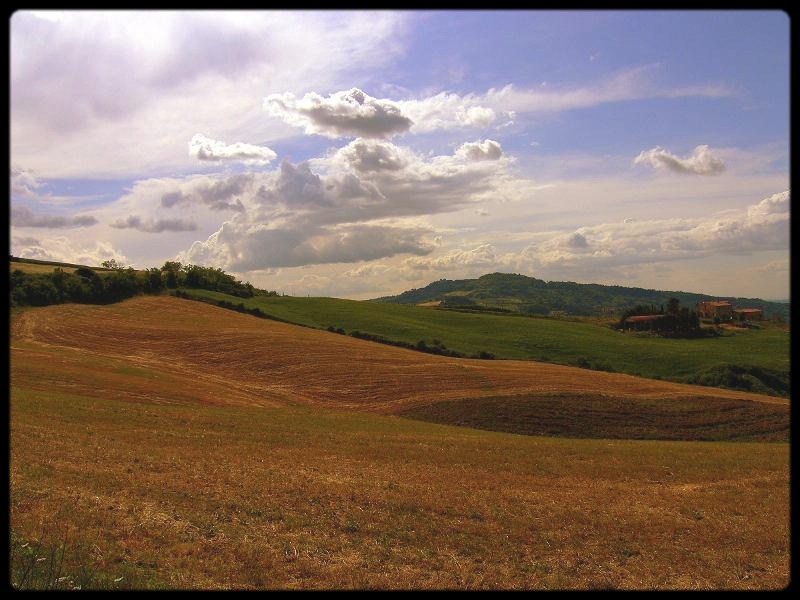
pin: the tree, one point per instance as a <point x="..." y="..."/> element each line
<point x="112" y="264"/>
<point x="673" y="306"/>
<point x="171" y="269"/>
<point x="153" y="281"/>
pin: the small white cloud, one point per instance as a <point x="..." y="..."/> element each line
<point x="775" y="266"/>
<point x="485" y="150"/>
<point x="775" y="204"/>
<point x="204" y="148"/>
<point x="701" y="162"/>
<point x="483" y="256"/>
<point x="476" y="116"/>
<point x="347" y="113"/>
<point x="153" y="225"/>
<point x="23" y="182"/>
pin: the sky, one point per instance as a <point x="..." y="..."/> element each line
<point x="359" y="154"/>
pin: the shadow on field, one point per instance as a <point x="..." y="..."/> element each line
<point x="581" y="416"/>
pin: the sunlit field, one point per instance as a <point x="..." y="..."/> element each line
<point x="165" y="443"/>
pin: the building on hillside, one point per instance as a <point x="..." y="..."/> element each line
<point x="710" y="309"/>
<point x="748" y="314"/>
<point x="641" y="322"/>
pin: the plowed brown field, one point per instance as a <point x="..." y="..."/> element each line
<point x="165" y="443"/>
<point x="223" y="357"/>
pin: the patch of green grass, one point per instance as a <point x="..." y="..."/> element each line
<point x="557" y="341"/>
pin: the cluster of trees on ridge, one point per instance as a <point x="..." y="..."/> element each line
<point x="116" y="282"/>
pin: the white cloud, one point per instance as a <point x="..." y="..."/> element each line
<point x="773" y="205"/>
<point x="354" y="113"/>
<point x="204" y="148"/>
<point x="485" y="150"/>
<point x="775" y="266"/>
<point x="362" y="202"/>
<point x="637" y="242"/>
<point x="483" y="256"/>
<point x="348" y="113"/>
<point x="22" y="216"/>
<point x="218" y="194"/>
<point x="61" y="249"/>
<point x="592" y="251"/>
<point x="119" y="92"/>
<point x="153" y="225"/>
<point x="702" y="161"/>
<point x="448" y="111"/>
<point x="23" y="182"/>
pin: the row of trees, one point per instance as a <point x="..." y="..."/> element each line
<point x="118" y="282"/>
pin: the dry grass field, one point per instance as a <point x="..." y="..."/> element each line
<point x="161" y="443"/>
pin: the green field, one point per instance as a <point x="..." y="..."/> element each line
<point x="549" y="340"/>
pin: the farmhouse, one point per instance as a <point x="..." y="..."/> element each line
<point x="641" y="321"/>
<point x="748" y="314"/>
<point x="709" y="309"/>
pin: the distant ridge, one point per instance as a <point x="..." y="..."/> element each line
<point x="528" y="295"/>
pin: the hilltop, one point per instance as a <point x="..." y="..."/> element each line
<point x="528" y="295"/>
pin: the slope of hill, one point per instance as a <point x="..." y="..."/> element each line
<point x="254" y="354"/>
<point x="528" y="295"/>
<point x="757" y="360"/>
<point x="164" y="443"/>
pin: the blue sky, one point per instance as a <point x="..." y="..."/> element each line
<point x="359" y="154"/>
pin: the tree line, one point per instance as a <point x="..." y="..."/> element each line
<point x="117" y="282"/>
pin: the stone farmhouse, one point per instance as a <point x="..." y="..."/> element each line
<point x="722" y="309"/>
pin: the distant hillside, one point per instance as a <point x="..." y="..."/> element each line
<point x="528" y="295"/>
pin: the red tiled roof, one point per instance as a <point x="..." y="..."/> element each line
<point x="640" y="318"/>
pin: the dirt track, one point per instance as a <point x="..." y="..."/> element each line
<point x="228" y="357"/>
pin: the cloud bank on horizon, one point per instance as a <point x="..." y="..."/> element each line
<point x="348" y="154"/>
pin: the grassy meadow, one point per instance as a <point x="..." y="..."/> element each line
<point x="155" y="445"/>
<point x="543" y="339"/>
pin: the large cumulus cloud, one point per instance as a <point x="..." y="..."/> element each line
<point x="362" y="202"/>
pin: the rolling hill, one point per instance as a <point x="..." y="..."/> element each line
<point x="528" y="295"/>
<point x="748" y="359"/>
<point x="163" y="443"/>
